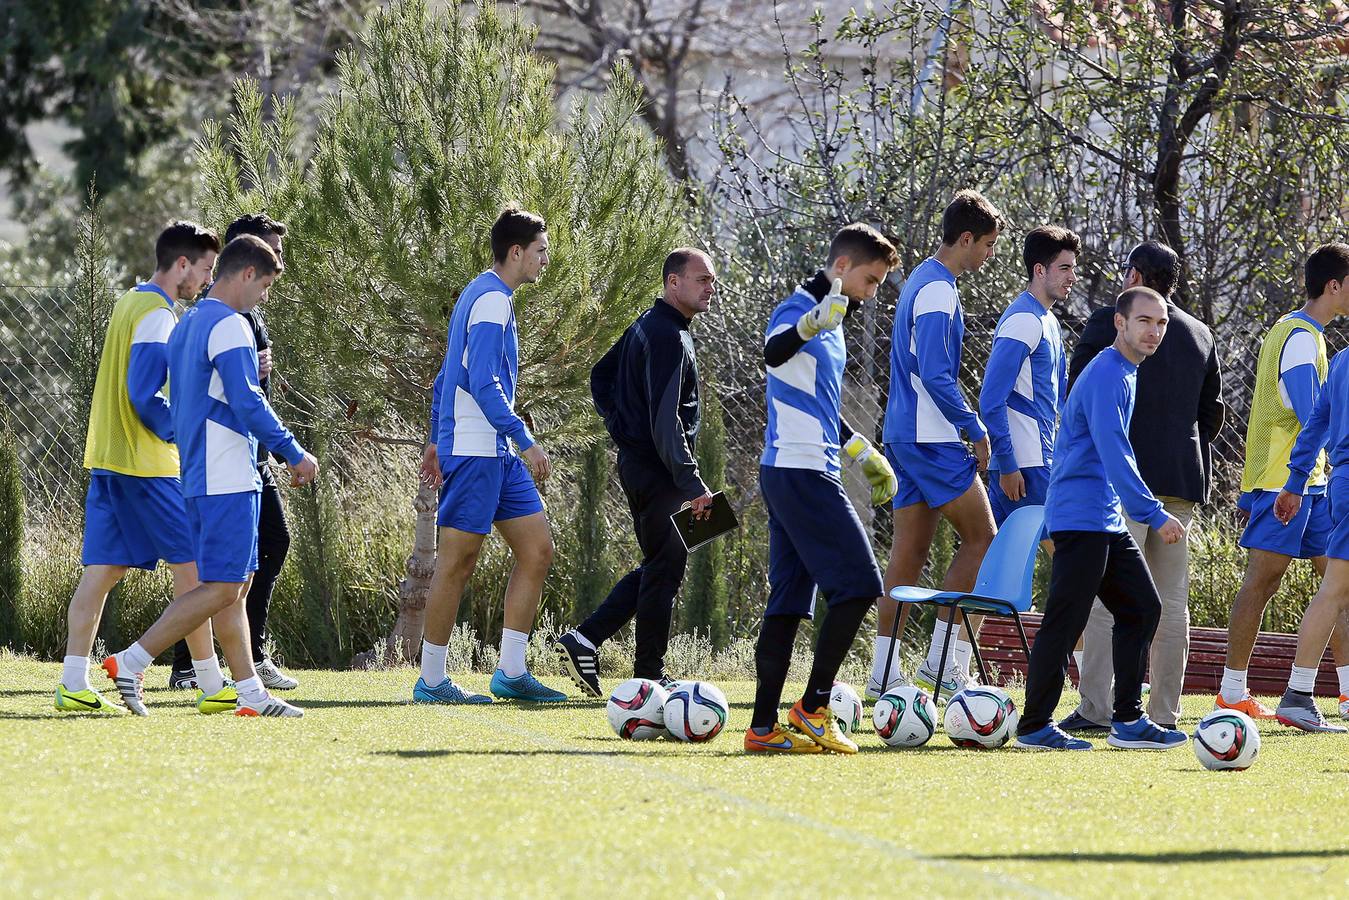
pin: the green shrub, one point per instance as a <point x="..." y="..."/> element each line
<point x="11" y="537"/>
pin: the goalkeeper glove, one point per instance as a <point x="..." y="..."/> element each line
<point x="826" y="315"/>
<point x="876" y="468"/>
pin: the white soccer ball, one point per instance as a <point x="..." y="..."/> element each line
<point x="695" y="711"/>
<point x="905" y="717"/>
<point x="981" y="717"/>
<point x="846" y="707"/>
<point x="636" y="710"/>
<point x="1226" y="739"/>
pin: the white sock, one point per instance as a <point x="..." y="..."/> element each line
<point x="585" y="641"/>
<point x="136" y="658"/>
<point x="886" y="650"/>
<point x="75" y="673"/>
<point x="962" y="654"/>
<point x="209" y="677"/>
<point x="1233" y="687"/>
<point x="513" y="645"/>
<point x="433" y="662"/>
<point x="939" y="632"/>
<point x="1343" y="673"/>
<point x="1303" y="679"/>
<point x="1077" y="658"/>
<point x="251" y="690"/>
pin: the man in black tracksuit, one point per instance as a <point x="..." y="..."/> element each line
<point x="273" y="533"/>
<point x="646" y="390"/>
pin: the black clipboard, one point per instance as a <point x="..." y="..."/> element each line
<point x="697" y="532"/>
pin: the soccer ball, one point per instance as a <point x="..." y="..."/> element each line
<point x="981" y="717"/>
<point x="905" y="717"/>
<point x="636" y="710"/>
<point x="1226" y="739"/>
<point x="846" y="707"/>
<point x="695" y="711"/>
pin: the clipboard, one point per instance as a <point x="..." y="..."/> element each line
<point x="697" y="532"/>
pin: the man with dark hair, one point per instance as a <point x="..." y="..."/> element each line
<point x="1179" y="410"/>
<point x="273" y="533"/>
<point x="475" y="438"/>
<point x="1288" y="381"/>
<point x="1094" y="553"/>
<point x="219" y="415"/>
<point x="134" y="514"/>
<point x="1027" y="375"/>
<point x="646" y="390"/>
<point x="816" y="543"/>
<point x="924" y="419"/>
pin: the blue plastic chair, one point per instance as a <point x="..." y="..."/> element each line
<point x="1003" y="588"/>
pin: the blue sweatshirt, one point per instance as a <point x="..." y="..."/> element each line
<point x="1094" y="468"/>
<point x="147" y="370"/>
<point x="1326" y="428"/>
<point x="1024" y="386"/>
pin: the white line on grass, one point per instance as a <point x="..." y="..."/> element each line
<point x="1002" y="881"/>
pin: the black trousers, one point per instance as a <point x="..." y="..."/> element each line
<point x="1088" y="564"/>
<point x="273" y="545"/>
<point x="647" y="593"/>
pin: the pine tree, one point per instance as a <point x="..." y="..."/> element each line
<point x="705" y="590"/>
<point x="436" y="123"/>
<point x="593" y="571"/>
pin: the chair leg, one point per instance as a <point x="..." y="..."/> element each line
<point x="945" y="651"/>
<point x="974" y="646"/>
<point x="894" y="633"/>
<point x="1021" y="633"/>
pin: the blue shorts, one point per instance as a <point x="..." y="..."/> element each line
<point x="814" y="538"/>
<point x="1037" y="488"/>
<point x="1303" y="538"/>
<point x="1337" y="498"/>
<point x="225" y="533"/>
<point x="136" y="522"/>
<point x="934" y="474"/>
<point x="480" y="490"/>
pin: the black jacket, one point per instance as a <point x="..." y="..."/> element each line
<point x="646" y="390"/>
<point x="260" y="338"/>
<point x="1178" y="408"/>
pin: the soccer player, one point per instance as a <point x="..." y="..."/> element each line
<point x="1094" y="553"/>
<point x="1288" y="379"/>
<point x="924" y="419"/>
<point x="1027" y="377"/>
<point x="646" y="390"/>
<point x="484" y="481"/>
<point x="273" y="533"/>
<point x="219" y="415"/>
<point x="815" y="540"/>
<point x="134" y="514"/>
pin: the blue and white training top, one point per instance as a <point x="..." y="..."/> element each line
<point x="1326" y="428"/>
<point x="219" y="411"/>
<point x="482" y="363"/>
<point x="1024" y="386"/>
<point x="804" y="394"/>
<point x="1094" y="468"/>
<point x="926" y="405"/>
<point x="147" y="370"/>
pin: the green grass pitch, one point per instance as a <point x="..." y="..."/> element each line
<point x="371" y="796"/>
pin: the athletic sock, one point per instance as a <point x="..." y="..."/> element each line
<point x="513" y="644"/>
<point x="1233" y="687"/>
<point x="136" y="659"/>
<point x="939" y="632"/>
<point x="251" y="690"/>
<point x="837" y="632"/>
<point x="772" y="659"/>
<point x="433" y="662"/>
<point x="1302" y="679"/>
<point x="584" y="641"/>
<point x="209" y="677"/>
<point x="1343" y="673"/>
<point x="962" y="654"/>
<point x="75" y="673"/>
<point x="886" y="651"/>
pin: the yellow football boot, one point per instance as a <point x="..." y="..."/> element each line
<point x="779" y="740"/>
<point x="223" y="700"/>
<point x="820" y="727"/>
<point x="84" y="701"/>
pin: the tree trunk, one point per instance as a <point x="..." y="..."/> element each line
<point x="405" y="640"/>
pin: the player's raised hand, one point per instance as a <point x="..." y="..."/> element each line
<point x="826" y="315"/>
<point x="305" y="471"/>
<point x="430" y="469"/>
<point x="540" y="466"/>
<point x="1172" y="531"/>
<point x="1286" y="506"/>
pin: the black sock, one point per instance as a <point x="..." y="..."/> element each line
<point x="772" y="659"/>
<point x="840" y="627"/>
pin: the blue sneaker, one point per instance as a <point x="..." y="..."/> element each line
<point x="524" y="687"/>
<point x="1051" y="737"/>
<point x="1143" y="734"/>
<point x="445" y="692"/>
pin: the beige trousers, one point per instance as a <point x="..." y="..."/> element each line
<point x="1170" y="568"/>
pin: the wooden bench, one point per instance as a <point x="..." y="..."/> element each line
<point x="1268" y="672"/>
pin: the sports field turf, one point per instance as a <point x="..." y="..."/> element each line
<point x="369" y="795"/>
